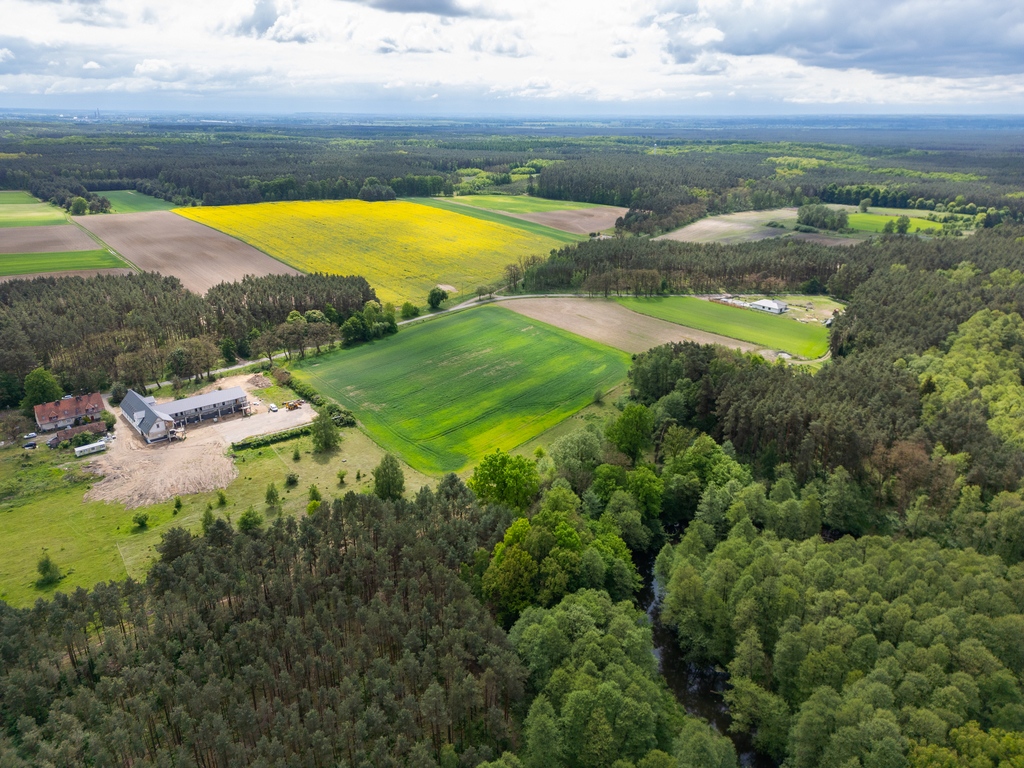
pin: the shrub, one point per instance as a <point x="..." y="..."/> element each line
<point x="250" y="520"/>
<point x="177" y="503"/>
<point x="295" y="454"/>
<point x="273" y="497"/>
<point x="222" y="499"/>
<point x="49" y="572"/>
<point x="341" y="476"/>
<point x="314" y="493"/>
<point x="598" y="396"/>
<point x="291" y="479"/>
<point x="409" y="311"/>
<point x="141" y="519"/>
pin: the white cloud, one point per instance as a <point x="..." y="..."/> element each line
<point x="91" y="65"/>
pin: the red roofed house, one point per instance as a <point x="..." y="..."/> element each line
<point x="61" y="414"/>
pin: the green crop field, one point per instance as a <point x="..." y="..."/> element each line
<point x="443" y="394"/>
<point x="29" y="263"/>
<point x="16" y="197"/>
<point x="20" y="213"/>
<point x="807" y="340"/>
<point x="496" y="217"/>
<point x="129" y="201"/>
<point x="870" y="222"/>
<point x="522" y="203"/>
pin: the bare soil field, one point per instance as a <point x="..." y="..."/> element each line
<point x="201" y="257"/>
<point x="579" y="222"/>
<point x="69" y="273"/>
<point x="49" y="239"/>
<point x="734" y="227"/>
<point x="140" y="474"/>
<point x="610" y="323"/>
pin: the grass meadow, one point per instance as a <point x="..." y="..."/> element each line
<point x="29" y="263"/>
<point x="401" y="248"/>
<point x="130" y="201"/>
<point x="95" y="541"/>
<point x="16" y="212"/>
<point x="870" y="222"/>
<point x="442" y="394"/>
<point x="522" y="203"/>
<point x="16" y="197"/>
<point x="807" y="340"/>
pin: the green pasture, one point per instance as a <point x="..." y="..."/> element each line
<point x="521" y="203"/>
<point x="807" y="340"/>
<point x="28" y="214"/>
<point x="496" y="217"/>
<point x="870" y="222"/>
<point x="130" y="201"/>
<point x="443" y="394"/>
<point x="42" y="509"/>
<point x="16" y="197"/>
<point x="29" y="263"/>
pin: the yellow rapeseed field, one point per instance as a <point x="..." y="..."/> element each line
<point x="402" y="249"/>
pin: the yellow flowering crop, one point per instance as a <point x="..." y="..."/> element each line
<point x="402" y="249"/>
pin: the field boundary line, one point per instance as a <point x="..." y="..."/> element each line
<point x="96" y="239"/>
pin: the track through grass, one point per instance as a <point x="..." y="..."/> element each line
<point x="30" y="263"/>
<point x="808" y="340"/>
<point x="496" y="217"/>
<point x="522" y="203"/>
<point x="443" y="394"/>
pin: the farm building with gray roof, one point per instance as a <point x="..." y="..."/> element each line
<point x="155" y="422"/>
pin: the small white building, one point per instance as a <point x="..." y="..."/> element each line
<point x="85" y="450"/>
<point x="769" y="305"/>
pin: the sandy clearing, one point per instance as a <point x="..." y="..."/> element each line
<point x="139" y="474"/>
<point x="733" y="227"/>
<point x="578" y="222"/>
<point x="49" y="239"/>
<point x="608" y="322"/>
<point x="201" y="257"/>
<point x="70" y="273"/>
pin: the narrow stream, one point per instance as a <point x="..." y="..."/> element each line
<point x="698" y="689"/>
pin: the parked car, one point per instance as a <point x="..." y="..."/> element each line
<point x="29" y="445"/>
<point x="30" y="435"/>
<point x="273" y="408"/>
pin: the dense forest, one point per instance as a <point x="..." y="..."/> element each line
<point x="848" y="545"/>
<point x="666" y="176"/>
<point x="94" y="331"/>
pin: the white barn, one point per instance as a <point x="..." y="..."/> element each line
<point x="770" y="305"/>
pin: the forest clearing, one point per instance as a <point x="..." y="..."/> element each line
<point x="444" y="394"/>
<point x="808" y="340"/>
<point x="199" y="256"/>
<point x="402" y="249"/>
<point x="733" y="227"/>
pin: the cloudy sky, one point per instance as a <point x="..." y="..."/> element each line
<point x="539" y="57"/>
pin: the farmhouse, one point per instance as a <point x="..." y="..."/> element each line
<point x="155" y="422"/>
<point x="96" y="428"/>
<point x="71" y="410"/>
<point x="769" y="305"/>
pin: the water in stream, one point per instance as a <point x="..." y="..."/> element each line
<point x="698" y="689"/>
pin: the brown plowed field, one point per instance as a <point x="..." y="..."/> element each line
<point x="161" y="241"/>
<point x="49" y="239"/>
<point x="579" y="222"/>
<point x="608" y="322"/>
<point x="69" y="273"/>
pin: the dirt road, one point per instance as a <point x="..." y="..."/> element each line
<point x="139" y="474"/>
